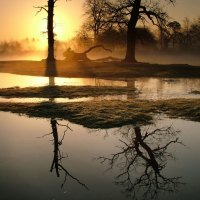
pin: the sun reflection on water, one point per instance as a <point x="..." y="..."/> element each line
<point x="13" y="80"/>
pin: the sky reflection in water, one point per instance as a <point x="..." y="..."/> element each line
<point x="149" y="88"/>
<point x="27" y="150"/>
<point x="43" y="159"/>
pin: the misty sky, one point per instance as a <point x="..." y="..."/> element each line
<point x="18" y="18"/>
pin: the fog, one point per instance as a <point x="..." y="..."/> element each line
<point x="152" y="56"/>
<point x="28" y="49"/>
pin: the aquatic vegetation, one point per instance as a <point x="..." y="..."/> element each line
<point x="65" y="91"/>
<point x="108" y="114"/>
<point x="195" y="92"/>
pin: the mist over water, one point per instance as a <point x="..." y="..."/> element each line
<point x="152" y="57"/>
<point x="32" y="49"/>
<point x="170" y="58"/>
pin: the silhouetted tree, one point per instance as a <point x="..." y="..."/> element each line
<point x="195" y="35"/>
<point x="184" y="37"/>
<point x="186" y="40"/>
<point x="112" y="37"/>
<point x="145" y="37"/>
<point x="95" y="17"/>
<point x="49" y="8"/>
<point x="129" y="12"/>
<point x="175" y="28"/>
<point x="117" y="37"/>
<point x="51" y="4"/>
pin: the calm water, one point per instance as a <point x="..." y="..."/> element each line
<point x="44" y="160"/>
<point x="149" y="88"/>
<point x="27" y="150"/>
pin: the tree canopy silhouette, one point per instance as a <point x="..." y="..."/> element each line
<point x="126" y="13"/>
<point x="130" y="12"/>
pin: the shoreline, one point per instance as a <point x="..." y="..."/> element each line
<point x="109" y="114"/>
<point x="96" y="69"/>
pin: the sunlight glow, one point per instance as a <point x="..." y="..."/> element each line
<point x="64" y="29"/>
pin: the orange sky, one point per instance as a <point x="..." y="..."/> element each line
<point x="18" y="19"/>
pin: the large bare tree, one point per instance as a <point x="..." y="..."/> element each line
<point x="49" y="8"/>
<point x="129" y="12"/>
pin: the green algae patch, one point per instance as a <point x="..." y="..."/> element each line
<point x="109" y="114"/>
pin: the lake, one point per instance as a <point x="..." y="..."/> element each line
<point x="148" y="88"/>
<point x="53" y="159"/>
<point x="27" y="153"/>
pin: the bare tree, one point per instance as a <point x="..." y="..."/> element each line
<point x="194" y="32"/>
<point x="147" y="154"/>
<point x="95" y="17"/>
<point x="49" y="8"/>
<point x="129" y="12"/>
<point x="186" y="31"/>
<point x="175" y="28"/>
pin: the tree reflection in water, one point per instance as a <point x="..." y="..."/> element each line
<point x="141" y="160"/>
<point x="58" y="156"/>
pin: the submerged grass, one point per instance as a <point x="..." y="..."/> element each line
<point x="109" y="114"/>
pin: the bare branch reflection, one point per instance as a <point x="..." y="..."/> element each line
<point x="142" y="159"/>
<point x="58" y="156"/>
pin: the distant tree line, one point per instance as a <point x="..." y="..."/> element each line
<point x="101" y="16"/>
<point x="115" y="38"/>
<point x="122" y="24"/>
<point x="181" y="37"/>
<point x="18" y="46"/>
<point x="176" y="36"/>
<point x="112" y="17"/>
<point x="107" y="22"/>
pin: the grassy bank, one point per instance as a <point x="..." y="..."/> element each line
<point x="99" y="69"/>
<point x="65" y="91"/>
<point x="108" y="114"/>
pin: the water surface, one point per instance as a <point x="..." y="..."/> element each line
<point x="148" y="88"/>
<point x="27" y="150"/>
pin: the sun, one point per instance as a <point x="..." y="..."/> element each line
<point x="66" y="26"/>
<point x="63" y="27"/>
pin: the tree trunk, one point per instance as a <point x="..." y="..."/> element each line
<point x="56" y="147"/>
<point x="131" y="38"/>
<point x="130" y="48"/>
<point x="50" y="30"/>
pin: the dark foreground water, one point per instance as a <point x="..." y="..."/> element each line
<point x="28" y="150"/>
